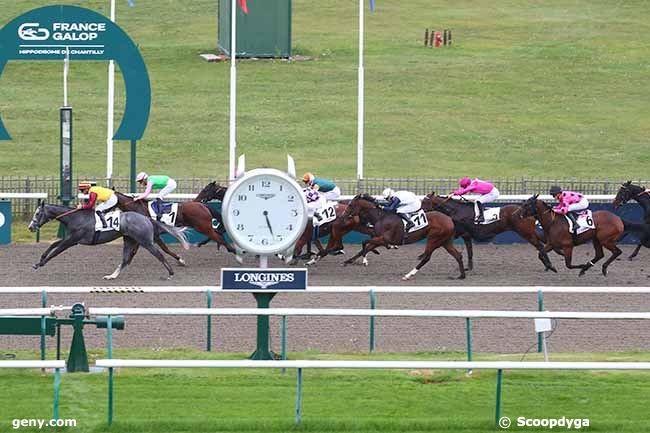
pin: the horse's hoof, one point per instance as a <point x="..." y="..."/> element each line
<point x="406" y="278"/>
<point x="631" y="258"/>
<point x="109" y="277"/>
<point x="36" y="266"/>
<point x="365" y="262"/>
<point x="462" y="277"/>
<point x="553" y="269"/>
<point x="181" y="262"/>
<point x="239" y="259"/>
<point x="604" y="272"/>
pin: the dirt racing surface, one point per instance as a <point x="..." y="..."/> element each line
<point x="495" y="265"/>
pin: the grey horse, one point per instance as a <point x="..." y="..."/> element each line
<point x="137" y="230"/>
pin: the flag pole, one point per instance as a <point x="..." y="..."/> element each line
<point x="360" y="96"/>
<point x="111" y="115"/>
<point x="233" y="89"/>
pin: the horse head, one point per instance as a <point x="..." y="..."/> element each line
<point x="40" y="217"/>
<point x="212" y="191"/>
<point x="627" y="192"/>
<point x="529" y="207"/>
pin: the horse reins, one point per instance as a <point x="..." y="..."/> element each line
<point x="66" y="213"/>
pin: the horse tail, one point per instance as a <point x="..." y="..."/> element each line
<point x="178" y="233"/>
<point x="641" y="228"/>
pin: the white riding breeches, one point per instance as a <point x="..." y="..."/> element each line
<point x="111" y="202"/>
<point x="581" y="205"/>
<point x="333" y="194"/>
<point x="171" y="186"/>
<point x="489" y="197"/>
<point x="409" y="207"/>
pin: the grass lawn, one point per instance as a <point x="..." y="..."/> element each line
<point x="525" y="90"/>
<point x="203" y="400"/>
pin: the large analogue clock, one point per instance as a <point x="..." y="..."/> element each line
<point x="265" y="211"/>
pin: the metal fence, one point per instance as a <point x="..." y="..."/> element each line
<point x="23" y="208"/>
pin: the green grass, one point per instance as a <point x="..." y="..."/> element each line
<point x="203" y="400"/>
<point x="526" y="87"/>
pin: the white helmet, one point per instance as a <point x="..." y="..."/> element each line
<point x="388" y="193"/>
<point x="141" y="176"/>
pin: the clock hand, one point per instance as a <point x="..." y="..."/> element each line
<point x="268" y="223"/>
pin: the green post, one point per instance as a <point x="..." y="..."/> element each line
<point x="372" y="321"/>
<point x="78" y="357"/>
<point x="498" y="408"/>
<point x="299" y="396"/>
<point x="44" y="305"/>
<point x="57" y="385"/>
<point x="540" y="307"/>
<point x="109" y="330"/>
<point x="110" y="396"/>
<point x="134" y="186"/>
<point x="208" y="345"/>
<point x="263" y="352"/>
<point x="468" y="328"/>
<point x="58" y="341"/>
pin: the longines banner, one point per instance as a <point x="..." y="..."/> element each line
<point x="54" y="32"/>
<point x="270" y="279"/>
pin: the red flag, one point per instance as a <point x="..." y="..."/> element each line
<point x="242" y="5"/>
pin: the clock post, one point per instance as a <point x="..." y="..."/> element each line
<point x="264" y="213"/>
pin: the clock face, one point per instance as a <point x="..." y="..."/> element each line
<point x="265" y="212"/>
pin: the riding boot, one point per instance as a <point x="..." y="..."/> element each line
<point x="409" y="223"/>
<point x="159" y="211"/>
<point x="574" y="221"/>
<point x="480" y="218"/>
<point x="318" y="216"/>
<point x="100" y="214"/>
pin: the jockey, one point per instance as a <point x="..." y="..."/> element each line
<point x="315" y="201"/>
<point x="569" y="202"/>
<point x="325" y="186"/>
<point x="164" y="183"/>
<point x="488" y="193"/>
<point x="106" y="198"/>
<point x="402" y="203"/>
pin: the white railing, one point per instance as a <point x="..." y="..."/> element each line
<point x="328" y="289"/>
<point x="299" y="365"/>
<point x="15" y="195"/>
<point x="32" y="364"/>
<point x="346" y="312"/>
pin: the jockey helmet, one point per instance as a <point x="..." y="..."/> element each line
<point x="388" y="193"/>
<point x="142" y="176"/>
<point x="84" y="185"/>
<point x="555" y="190"/>
<point x="308" y="177"/>
<point x="464" y="182"/>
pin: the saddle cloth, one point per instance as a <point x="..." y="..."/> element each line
<point x="170" y="212"/>
<point x="491" y="215"/>
<point x="419" y="219"/>
<point x="585" y="222"/>
<point x="327" y="213"/>
<point x="112" y="221"/>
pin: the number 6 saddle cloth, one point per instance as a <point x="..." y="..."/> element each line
<point x="585" y="221"/>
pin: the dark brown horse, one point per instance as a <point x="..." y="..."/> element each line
<point x="190" y="214"/>
<point x="389" y="230"/>
<point x="510" y="219"/>
<point x="628" y="191"/>
<point x="608" y="231"/>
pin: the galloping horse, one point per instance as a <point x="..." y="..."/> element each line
<point x="628" y="191"/>
<point x="190" y="214"/>
<point x="510" y="219"/>
<point x="137" y="230"/>
<point x="389" y="230"/>
<point x="608" y="231"/>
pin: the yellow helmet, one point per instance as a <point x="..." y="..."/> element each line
<point x="308" y="177"/>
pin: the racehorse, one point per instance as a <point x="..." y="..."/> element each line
<point x="628" y="191"/>
<point x="137" y="230"/>
<point x="510" y="219"/>
<point x="608" y="231"/>
<point x="190" y="214"/>
<point x="389" y="230"/>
